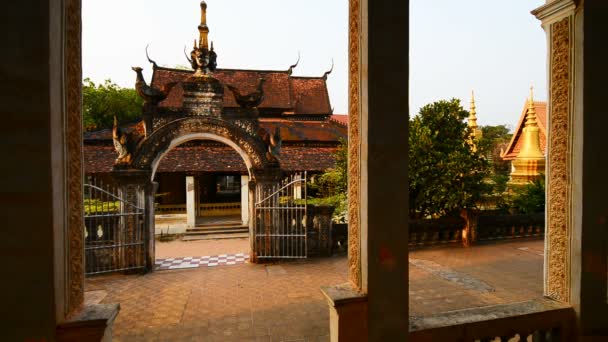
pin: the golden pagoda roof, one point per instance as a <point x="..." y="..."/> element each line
<point x="516" y="143"/>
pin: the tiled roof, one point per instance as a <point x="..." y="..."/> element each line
<point x="310" y="95"/>
<point x="340" y="118"/>
<point x="516" y="141"/>
<point x="215" y="158"/>
<point x="291" y="130"/>
<point x="294" y="95"/>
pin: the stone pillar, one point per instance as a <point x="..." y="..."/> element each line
<point x="319" y="233"/>
<point x="150" y="209"/>
<point x="190" y="202"/>
<point x="378" y="152"/>
<point x="260" y="187"/>
<point x="136" y="188"/>
<point x="577" y="163"/>
<point x="245" y="199"/>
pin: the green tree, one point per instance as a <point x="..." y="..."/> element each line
<point x="530" y="198"/>
<point x="493" y="136"/>
<point x="102" y="101"/>
<point x="331" y="186"/>
<point x="495" y="139"/>
<point x="445" y="174"/>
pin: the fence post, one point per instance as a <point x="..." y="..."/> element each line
<point x="469" y="232"/>
<point x="321" y="230"/>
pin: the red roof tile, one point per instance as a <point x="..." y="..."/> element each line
<point x="297" y="95"/>
<point x="310" y="95"/>
<point x="215" y="158"/>
<point x="340" y="118"/>
<point x="541" y="117"/>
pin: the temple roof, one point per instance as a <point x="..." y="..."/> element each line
<point x="516" y="142"/>
<point x="307" y="145"/>
<point x="283" y="93"/>
<point x="215" y="157"/>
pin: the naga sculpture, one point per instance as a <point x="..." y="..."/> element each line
<point x="274" y="143"/>
<point x="249" y="101"/>
<point x="150" y="94"/>
<point x="122" y="141"/>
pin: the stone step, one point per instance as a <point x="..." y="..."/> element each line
<point x="196" y="237"/>
<point x="214" y="225"/>
<point x="206" y="230"/>
<point x="244" y="231"/>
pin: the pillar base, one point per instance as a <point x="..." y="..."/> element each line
<point x="92" y="323"/>
<point x="347" y="313"/>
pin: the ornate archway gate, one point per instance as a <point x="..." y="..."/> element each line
<point x="202" y="116"/>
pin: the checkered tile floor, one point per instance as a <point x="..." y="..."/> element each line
<point x="205" y="261"/>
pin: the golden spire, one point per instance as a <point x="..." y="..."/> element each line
<point x="530" y="161"/>
<point x="474" y="128"/>
<point x="531" y="144"/>
<point x="203" y="29"/>
<point x="531" y="113"/>
<point x="473" y="112"/>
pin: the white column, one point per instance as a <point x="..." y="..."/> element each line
<point x="245" y="199"/>
<point x="190" y="202"/>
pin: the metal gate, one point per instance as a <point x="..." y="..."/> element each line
<point x="280" y="219"/>
<point x="113" y="231"/>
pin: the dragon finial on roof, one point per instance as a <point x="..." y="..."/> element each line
<point x="290" y="70"/>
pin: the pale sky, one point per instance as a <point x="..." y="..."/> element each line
<point x="497" y="48"/>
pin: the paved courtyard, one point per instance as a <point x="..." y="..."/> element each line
<point x="282" y="302"/>
<point x="179" y="248"/>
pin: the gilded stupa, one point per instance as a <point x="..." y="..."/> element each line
<point x="530" y="161"/>
<point x="476" y="133"/>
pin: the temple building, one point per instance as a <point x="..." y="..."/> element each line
<point x="296" y="109"/>
<point x="527" y="149"/>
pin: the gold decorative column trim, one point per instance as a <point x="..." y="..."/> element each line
<point x="354" y="173"/>
<point x="558" y="188"/>
<point x="75" y="243"/>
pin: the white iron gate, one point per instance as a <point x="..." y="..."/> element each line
<point x="280" y="219"/>
<point x="113" y="231"/>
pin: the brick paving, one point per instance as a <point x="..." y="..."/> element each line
<point x="179" y="248"/>
<point x="282" y="302"/>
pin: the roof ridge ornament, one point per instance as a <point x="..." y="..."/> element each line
<point x="290" y="70"/>
<point x="203" y="29"/>
<point x="203" y="59"/>
<point x="154" y="65"/>
<point x="330" y="70"/>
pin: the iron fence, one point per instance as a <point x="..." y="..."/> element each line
<point x="280" y="219"/>
<point x="113" y="231"/>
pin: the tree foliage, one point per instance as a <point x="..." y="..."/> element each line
<point x="331" y="186"/>
<point x="495" y="139"/>
<point x="445" y="174"/>
<point x="529" y="198"/>
<point x="102" y="101"/>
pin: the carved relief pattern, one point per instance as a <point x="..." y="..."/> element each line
<point x="558" y="202"/>
<point x="75" y="243"/>
<point x="354" y="248"/>
<point x="161" y="139"/>
<point x="249" y="126"/>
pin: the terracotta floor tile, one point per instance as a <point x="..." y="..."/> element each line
<point x="247" y="303"/>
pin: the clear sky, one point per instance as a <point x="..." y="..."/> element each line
<point x="494" y="47"/>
